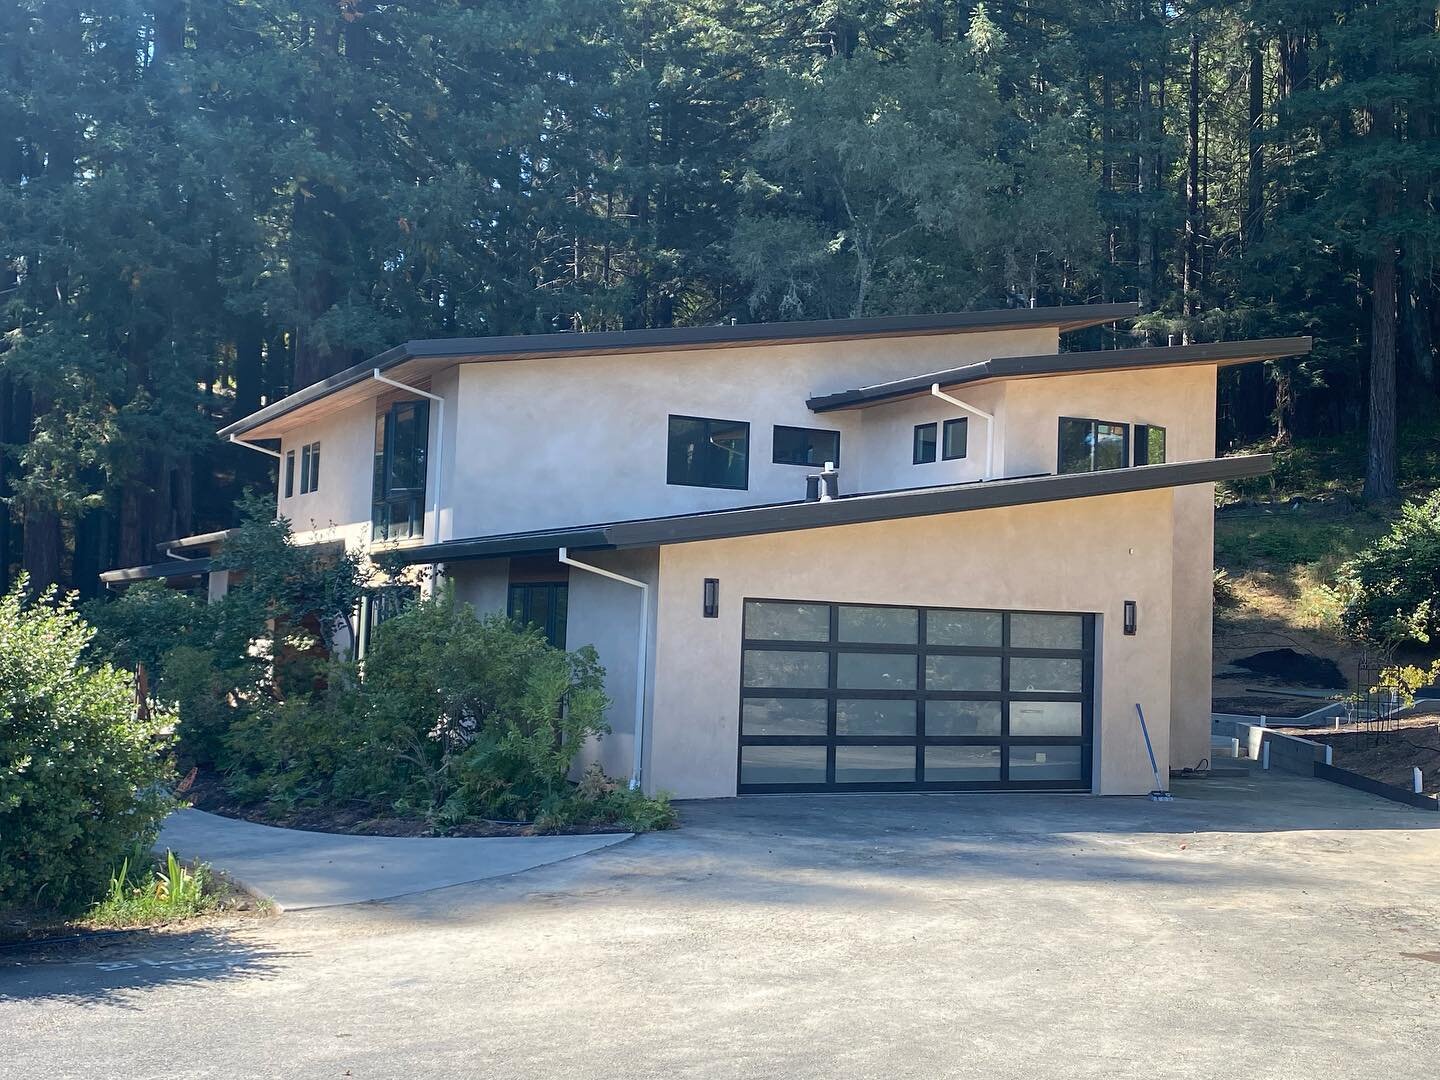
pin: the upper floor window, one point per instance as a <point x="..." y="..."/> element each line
<point x="289" y="474"/>
<point x="402" y="439"/>
<point x="1093" y="445"/>
<point x="806" y="446"/>
<point x="954" y="438"/>
<point x="310" y="468"/>
<point x="708" y="453"/>
<point x="924" y="443"/>
<point x="1149" y="444"/>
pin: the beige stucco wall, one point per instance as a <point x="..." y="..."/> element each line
<point x="1085" y="555"/>
<point x="340" y="509"/>
<point x="581" y="440"/>
<point x="1182" y="400"/>
<point x="886" y="440"/>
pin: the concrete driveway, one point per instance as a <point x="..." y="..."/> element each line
<point x="1258" y="927"/>
<point x="297" y="869"/>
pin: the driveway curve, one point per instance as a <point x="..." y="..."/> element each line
<point x="297" y="869"/>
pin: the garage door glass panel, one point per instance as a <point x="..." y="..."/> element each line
<point x="1046" y="675"/>
<point x="879" y="625"/>
<point x="766" y="668"/>
<point x="857" y="716"/>
<point x="979" y="629"/>
<point x="962" y="717"/>
<point x="974" y="673"/>
<point x="782" y="765"/>
<point x="874" y="697"/>
<point x="875" y="671"/>
<point x="1047" y="632"/>
<point x="1045" y="763"/>
<point x="875" y="764"/>
<point x="786" y="622"/>
<point x="952" y="764"/>
<point x="783" y="716"/>
<point x="1047" y="718"/>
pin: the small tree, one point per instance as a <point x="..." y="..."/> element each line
<point x="1392" y="587"/>
<point x="81" y="768"/>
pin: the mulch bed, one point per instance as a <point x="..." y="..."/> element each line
<point x="207" y="792"/>
<point x="1387" y="757"/>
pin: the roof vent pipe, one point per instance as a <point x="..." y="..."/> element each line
<point x="824" y="485"/>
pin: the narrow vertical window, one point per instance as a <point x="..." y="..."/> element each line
<point x="924" y="443"/>
<point x="289" y="474"/>
<point x="955" y="438"/>
<point x="312" y="469"/>
<point x="1149" y="444"/>
<point x="305" y="469"/>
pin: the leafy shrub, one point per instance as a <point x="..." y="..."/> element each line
<point x="477" y="710"/>
<point x="81" y="773"/>
<point x="1391" y="588"/>
<point x="599" y="800"/>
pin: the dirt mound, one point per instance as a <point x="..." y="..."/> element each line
<point x="1304" y="668"/>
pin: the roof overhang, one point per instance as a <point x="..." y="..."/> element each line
<point x="417" y="360"/>
<point x="174" y="568"/>
<point x="1221" y="353"/>
<point x="847" y="510"/>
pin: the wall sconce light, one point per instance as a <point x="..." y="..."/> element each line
<point x="1130" y="618"/>
<point x="712" y="598"/>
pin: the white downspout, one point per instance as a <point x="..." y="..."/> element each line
<point x="439" y="441"/>
<point x="642" y="655"/>
<point x="254" y="446"/>
<point x="989" y="419"/>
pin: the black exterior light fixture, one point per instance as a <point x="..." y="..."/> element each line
<point x="1130" y="618"/>
<point x="712" y="598"/>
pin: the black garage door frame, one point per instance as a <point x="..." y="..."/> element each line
<point x="1002" y="741"/>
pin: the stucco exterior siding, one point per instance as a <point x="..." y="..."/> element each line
<point x="340" y="509"/>
<point x="556" y="442"/>
<point x="1084" y="556"/>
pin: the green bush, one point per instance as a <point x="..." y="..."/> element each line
<point x="1391" y="588"/>
<point x="483" y="717"/>
<point x="81" y="775"/>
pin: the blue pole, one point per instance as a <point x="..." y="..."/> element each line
<point x="1149" y="749"/>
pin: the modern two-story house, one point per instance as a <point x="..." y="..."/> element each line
<point x="915" y="553"/>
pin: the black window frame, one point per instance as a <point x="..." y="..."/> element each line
<point x="289" y="474"/>
<point x="916" y="456"/>
<point x="386" y="497"/>
<point x="309" y="467"/>
<point x="776" y="459"/>
<point x="1140" y="454"/>
<point x="962" y="423"/>
<point x="556" y="615"/>
<point x="378" y="605"/>
<point x="711" y="424"/>
<point x="832" y="693"/>
<point x="1125" y="447"/>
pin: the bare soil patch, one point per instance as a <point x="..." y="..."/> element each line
<point x="1385" y="756"/>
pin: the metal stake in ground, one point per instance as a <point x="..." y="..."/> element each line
<point x="1159" y="793"/>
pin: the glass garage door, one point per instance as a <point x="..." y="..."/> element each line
<point x="843" y="697"/>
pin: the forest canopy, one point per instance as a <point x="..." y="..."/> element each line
<point x="207" y="203"/>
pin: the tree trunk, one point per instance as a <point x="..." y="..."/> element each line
<point x="1380" y="463"/>
<point x="1190" y="278"/>
<point x="1254" y="224"/>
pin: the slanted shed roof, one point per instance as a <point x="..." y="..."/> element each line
<point x="847" y="510"/>
<point x="172" y="569"/>
<point x="1222" y="353"/>
<point x="420" y="358"/>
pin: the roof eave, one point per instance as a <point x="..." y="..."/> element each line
<point x="677" y="339"/>
<point x="850" y="510"/>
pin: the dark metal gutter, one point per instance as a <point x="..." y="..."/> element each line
<point x="847" y="510"/>
<point x="173" y="568"/>
<point x="665" y="339"/>
<point x="1010" y="367"/>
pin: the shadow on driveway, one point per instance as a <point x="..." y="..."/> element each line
<point x="110" y="971"/>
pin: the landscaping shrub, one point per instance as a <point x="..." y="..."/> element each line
<point x="81" y="774"/>
<point x="485" y="718"/>
<point x="1391" y="588"/>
